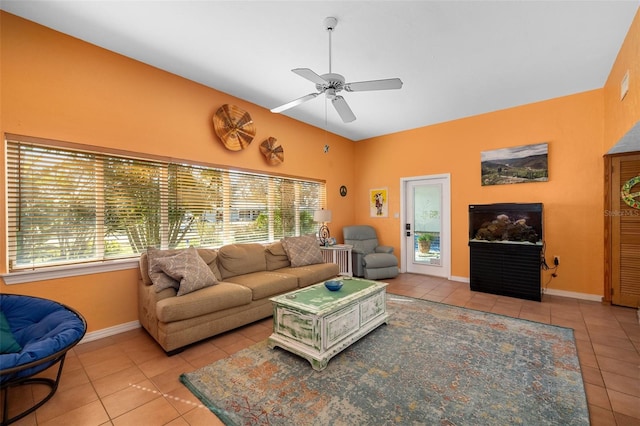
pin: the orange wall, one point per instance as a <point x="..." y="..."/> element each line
<point x="621" y="115"/>
<point x="572" y="197"/>
<point x="58" y="87"/>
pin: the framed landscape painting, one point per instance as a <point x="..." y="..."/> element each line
<point x="520" y="164"/>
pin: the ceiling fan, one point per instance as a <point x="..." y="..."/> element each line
<point x="331" y="84"/>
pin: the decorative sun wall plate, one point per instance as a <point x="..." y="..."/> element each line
<point x="272" y="151"/>
<point x="234" y="127"/>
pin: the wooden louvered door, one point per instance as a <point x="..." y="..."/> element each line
<point x="625" y="230"/>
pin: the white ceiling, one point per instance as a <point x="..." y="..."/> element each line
<point x="455" y="58"/>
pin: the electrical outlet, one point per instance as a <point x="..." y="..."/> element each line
<point x="556" y="260"/>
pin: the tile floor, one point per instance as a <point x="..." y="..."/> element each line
<point x="128" y="380"/>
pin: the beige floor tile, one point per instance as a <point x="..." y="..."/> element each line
<point x="157" y="366"/>
<point x="130" y="398"/>
<point x="624" y="404"/>
<point x="86" y="415"/>
<point x="599" y="416"/>
<point x="624" y="384"/>
<point x="168" y="381"/>
<point x="99" y="355"/>
<point x="117" y="362"/>
<point x="592" y="376"/>
<point x="182" y="399"/>
<point x="537" y="317"/>
<point x="117" y="381"/>
<point x="180" y="421"/>
<point x="202" y="417"/>
<point x="155" y="412"/>
<point x="617" y="353"/>
<point x="624" y="420"/>
<point x="616" y="366"/>
<point x="597" y="395"/>
<point x="208" y="358"/>
<point x="64" y="401"/>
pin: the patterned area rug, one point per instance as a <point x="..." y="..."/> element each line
<point x="432" y="364"/>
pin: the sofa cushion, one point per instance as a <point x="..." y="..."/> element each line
<point x="276" y="256"/>
<point x="238" y="259"/>
<point x="189" y="268"/>
<point x="266" y="283"/>
<point x="210" y="257"/>
<point x="221" y="296"/>
<point x="303" y="250"/>
<point x="312" y="274"/>
<point x="159" y="279"/>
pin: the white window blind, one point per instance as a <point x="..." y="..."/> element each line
<point x="69" y="206"/>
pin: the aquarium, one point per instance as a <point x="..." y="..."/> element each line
<point x="507" y="222"/>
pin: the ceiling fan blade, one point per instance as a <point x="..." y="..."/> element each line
<point x="310" y="75"/>
<point x="295" y="102"/>
<point x="361" y="86"/>
<point x="343" y="109"/>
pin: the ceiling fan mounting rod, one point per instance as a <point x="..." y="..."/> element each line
<point x="330" y="23"/>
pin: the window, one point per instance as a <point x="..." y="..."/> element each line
<point x="71" y="206"/>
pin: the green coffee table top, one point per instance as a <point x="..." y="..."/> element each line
<point x="317" y="298"/>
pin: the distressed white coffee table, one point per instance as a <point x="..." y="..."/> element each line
<point x="317" y="324"/>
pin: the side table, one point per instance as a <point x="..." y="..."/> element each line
<point x="339" y="254"/>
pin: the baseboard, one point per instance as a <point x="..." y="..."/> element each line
<point x="573" y="295"/>
<point x="110" y="331"/>
<point x="551" y="292"/>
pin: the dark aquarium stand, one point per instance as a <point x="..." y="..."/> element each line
<point x="505" y="243"/>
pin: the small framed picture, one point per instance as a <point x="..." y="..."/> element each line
<point x="379" y="202"/>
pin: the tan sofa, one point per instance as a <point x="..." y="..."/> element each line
<point x="247" y="276"/>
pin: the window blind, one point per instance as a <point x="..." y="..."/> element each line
<point x="69" y="206"/>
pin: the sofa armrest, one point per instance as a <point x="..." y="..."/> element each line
<point x="384" y="249"/>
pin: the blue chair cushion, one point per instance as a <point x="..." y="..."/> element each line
<point x="42" y="327"/>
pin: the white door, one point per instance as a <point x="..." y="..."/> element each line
<point x="426" y="225"/>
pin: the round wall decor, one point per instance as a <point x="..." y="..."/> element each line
<point x="632" y="199"/>
<point x="272" y="151"/>
<point x="343" y="191"/>
<point x="234" y="127"/>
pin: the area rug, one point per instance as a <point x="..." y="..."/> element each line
<point x="433" y="364"/>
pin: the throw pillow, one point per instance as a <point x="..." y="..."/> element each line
<point x="8" y="343"/>
<point x="188" y="268"/>
<point x="302" y="250"/>
<point x="159" y="279"/>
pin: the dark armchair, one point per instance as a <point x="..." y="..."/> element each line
<point x="370" y="260"/>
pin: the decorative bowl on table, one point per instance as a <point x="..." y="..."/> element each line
<point x="333" y="285"/>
